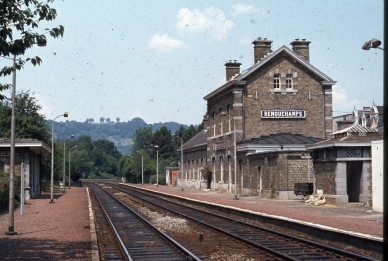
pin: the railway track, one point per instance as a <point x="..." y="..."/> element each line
<point x="281" y="245"/>
<point x="135" y="237"/>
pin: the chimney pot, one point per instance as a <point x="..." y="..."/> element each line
<point x="262" y="47"/>
<point x="232" y="68"/>
<point x="301" y="47"/>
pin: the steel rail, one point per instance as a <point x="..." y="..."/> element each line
<point x="112" y="226"/>
<point x="286" y="237"/>
<point x="182" y="250"/>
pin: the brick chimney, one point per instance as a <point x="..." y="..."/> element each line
<point x="301" y="47"/>
<point x="232" y="68"/>
<point x="262" y="47"/>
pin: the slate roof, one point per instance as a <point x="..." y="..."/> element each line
<point x="241" y="78"/>
<point x="294" y="55"/>
<point x="200" y="139"/>
<point x="284" y="139"/>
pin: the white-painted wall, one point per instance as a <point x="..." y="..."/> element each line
<point x="377" y="175"/>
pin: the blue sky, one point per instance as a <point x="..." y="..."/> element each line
<point x="158" y="59"/>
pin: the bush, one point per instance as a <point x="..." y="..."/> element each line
<point x="4" y="191"/>
<point x="3" y="194"/>
<point x="161" y="179"/>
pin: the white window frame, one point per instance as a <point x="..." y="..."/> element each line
<point x="289" y="81"/>
<point x="277" y="81"/>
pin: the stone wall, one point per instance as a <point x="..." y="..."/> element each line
<point x="325" y="176"/>
<point x="279" y="172"/>
<point x="307" y="94"/>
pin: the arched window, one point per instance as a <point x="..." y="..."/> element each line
<point x="214" y="123"/>
<point x="228" y="115"/>
<point x="222" y="169"/>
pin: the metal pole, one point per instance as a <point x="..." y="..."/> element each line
<point x="52" y="157"/>
<point x="11" y="206"/>
<point x="52" y="164"/>
<point x="235" y="159"/>
<point x="22" y="189"/>
<point x="181" y="162"/>
<point x="69" y="162"/>
<point x="64" y="165"/>
<point x="69" y="168"/>
<point x="157" y="167"/>
<point x="142" y="169"/>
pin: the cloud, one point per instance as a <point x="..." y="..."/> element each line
<point x="210" y="21"/>
<point x="341" y="102"/>
<point x="242" y="9"/>
<point x="164" y="43"/>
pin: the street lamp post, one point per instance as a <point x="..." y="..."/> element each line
<point x="64" y="162"/>
<point x="373" y="43"/>
<point x="52" y="156"/>
<point x="69" y="162"/>
<point x="157" y="164"/>
<point x="11" y="218"/>
<point x="11" y="230"/>
<point x="142" y="167"/>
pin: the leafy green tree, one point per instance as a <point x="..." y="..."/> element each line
<point x="163" y="139"/>
<point x="85" y="143"/>
<point x="30" y="124"/>
<point x="142" y="139"/>
<point x="19" y="31"/>
<point x="105" y="157"/>
<point x="190" y="132"/>
<point x="94" y="159"/>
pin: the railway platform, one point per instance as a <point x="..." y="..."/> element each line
<point x="64" y="230"/>
<point x="352" y="218"/>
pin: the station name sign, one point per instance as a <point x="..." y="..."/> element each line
<point x="283" y="114"/>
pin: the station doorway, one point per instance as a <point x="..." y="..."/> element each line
<point x="353" y="180"/>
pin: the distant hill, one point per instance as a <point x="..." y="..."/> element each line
<point x="120" y="133"/>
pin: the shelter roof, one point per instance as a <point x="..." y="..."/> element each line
<point x="34" y="144"/>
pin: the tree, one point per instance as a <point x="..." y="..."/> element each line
<point x="142" y="139"/>
<point x="163" y="139"/>
<point x="30" y="123"/>
<point x="94" y="159"/>
<point x="19" y="22"/>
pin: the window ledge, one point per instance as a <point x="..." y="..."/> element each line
<point x="283" y="91"/>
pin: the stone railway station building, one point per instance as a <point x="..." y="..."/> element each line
<point x="259" y="123"/>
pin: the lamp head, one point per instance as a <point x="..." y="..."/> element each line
<point x="65" y="115"/>
<point x="374" y="43"/>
